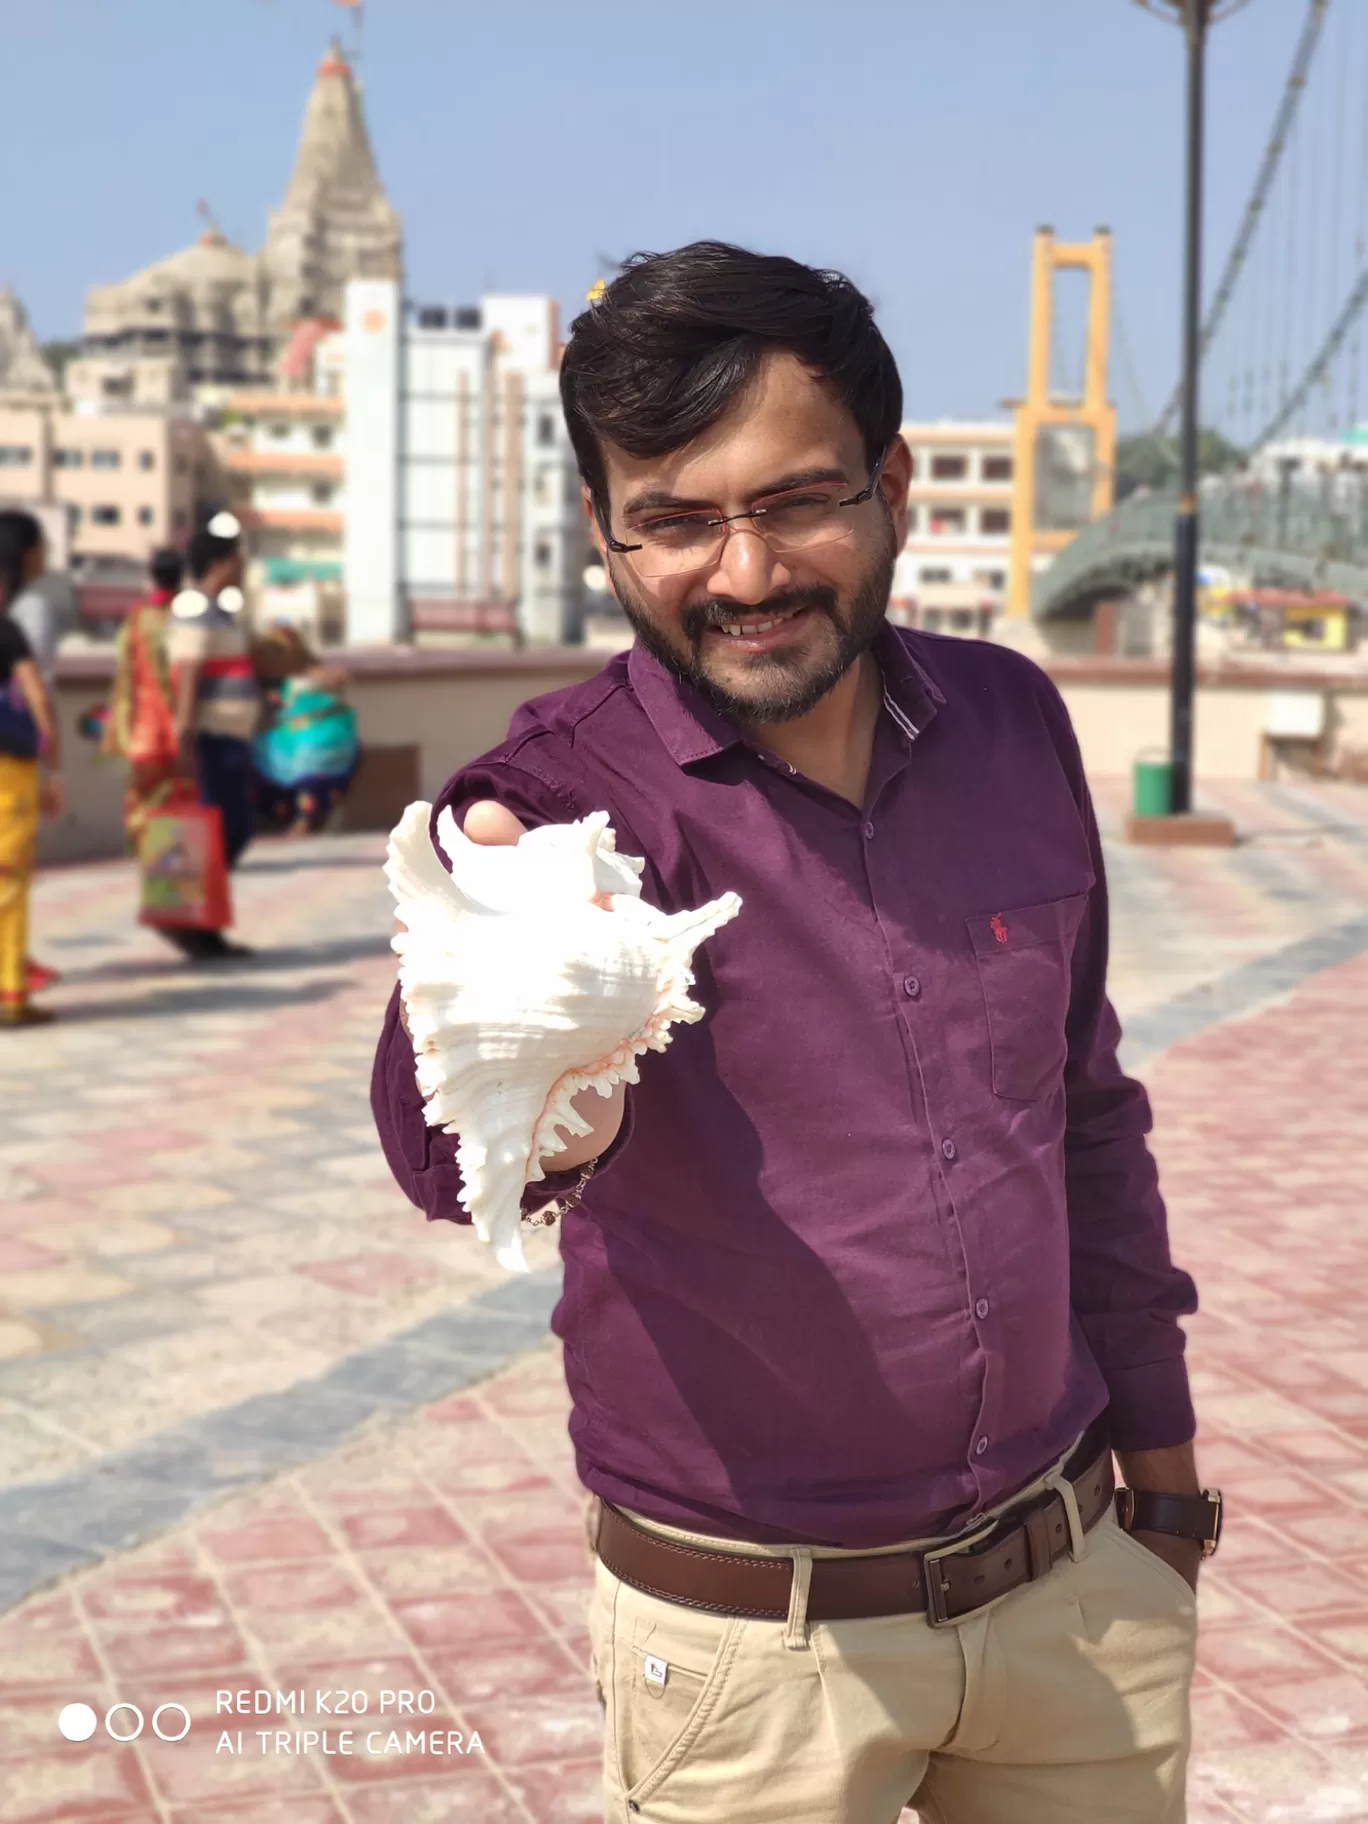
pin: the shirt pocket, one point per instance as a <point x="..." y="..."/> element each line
<point x="1024" y="955"/>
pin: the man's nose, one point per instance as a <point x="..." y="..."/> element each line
<point x="746" y="569"/>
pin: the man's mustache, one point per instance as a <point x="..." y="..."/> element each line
<point x="716" y="612"/>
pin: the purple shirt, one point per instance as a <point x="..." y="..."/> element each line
<point x="881" y="1234"/>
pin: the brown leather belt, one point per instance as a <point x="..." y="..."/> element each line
<point x="945" y="1583"/>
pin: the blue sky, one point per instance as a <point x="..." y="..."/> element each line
<point x="915" y="143"/>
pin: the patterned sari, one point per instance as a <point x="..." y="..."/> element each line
<point x="142" y="722"/>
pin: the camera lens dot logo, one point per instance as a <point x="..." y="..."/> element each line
<point x="121" y="1734"/>
<point x="76" y="1722"/>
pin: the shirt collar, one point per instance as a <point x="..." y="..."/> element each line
<point x="691" y="729"/>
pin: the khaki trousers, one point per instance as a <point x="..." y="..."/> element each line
<point x="1065" y="1702"/>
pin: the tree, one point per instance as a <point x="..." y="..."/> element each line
<point x="1147" y="461"/>
<point x="58" y="354"/>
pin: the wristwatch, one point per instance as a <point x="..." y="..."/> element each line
<point x="1180" y="1516"/>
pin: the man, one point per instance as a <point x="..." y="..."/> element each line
<point x="872" y="1261"/>
<point x="217" y="699"/>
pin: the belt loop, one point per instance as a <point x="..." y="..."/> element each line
<point x="796" y="1628"/>
<point x="1060" y="1485"/>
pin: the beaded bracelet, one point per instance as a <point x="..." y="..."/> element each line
<point x="550" y="1213"/>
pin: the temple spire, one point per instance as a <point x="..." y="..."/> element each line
<point x="334" y="152"/>
<point x="335" y="221"/>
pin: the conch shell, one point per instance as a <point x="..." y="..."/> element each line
<point x="533" y="971"/>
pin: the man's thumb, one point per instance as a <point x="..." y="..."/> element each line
<point x="490" y="823"/>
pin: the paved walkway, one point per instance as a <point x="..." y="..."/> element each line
<point x="260" y="1428"/>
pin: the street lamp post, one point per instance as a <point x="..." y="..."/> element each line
<point x="1195" y="20"/>
<point x="1196" y="17"/>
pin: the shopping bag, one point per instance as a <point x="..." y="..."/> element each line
<point x="184" y="876"/>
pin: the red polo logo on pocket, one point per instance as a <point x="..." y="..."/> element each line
<point x="998" y="927"/>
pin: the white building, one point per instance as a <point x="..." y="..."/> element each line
<point x="1308" y="458"/>
<point x="463" y="498"/>
<point x="952" y="573"/>
<point x="283" y="452"/>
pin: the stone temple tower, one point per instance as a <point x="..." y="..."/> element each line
<point x="217" y="315"/>
<point x="335" y="222"/>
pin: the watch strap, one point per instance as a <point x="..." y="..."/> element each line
<point x="1197" y="1517"/>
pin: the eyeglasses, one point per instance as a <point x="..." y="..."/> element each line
<point x="799" y="519"/>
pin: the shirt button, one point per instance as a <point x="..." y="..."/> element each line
<point x="981" y="1308"/>
<point x="869" y="832"/>
<point x="980" y="1447"/>
<point x="911" y="987"/>
<point x="949" y="1150"/>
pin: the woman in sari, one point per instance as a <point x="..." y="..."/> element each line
<point x="28" y="735"/>
<point x="142" y="722"/>
<point x="141" y="729"/>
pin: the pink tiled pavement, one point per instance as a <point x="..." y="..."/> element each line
<point x="446" y="1554"/>
<point x="442" y="1553"/>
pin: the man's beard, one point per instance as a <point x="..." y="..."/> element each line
<point x="787" y="684"/>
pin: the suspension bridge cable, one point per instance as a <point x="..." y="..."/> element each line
<point x="1337" y="182"/>
<point x="1273" y="239"/>
<point x="1059" y="362"/>
<point x="1324" y="355"/>
<point x="1290" y="263"/>
<point x="1359" y="243"/>
<point x="1125" y="351"/>
<point x="1308" y="292"/>
<point x="1259" y="285"/>
<point x="1282" y="124"/>
<point x="1253" y="293"/>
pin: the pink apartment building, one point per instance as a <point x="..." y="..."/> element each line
<point x="128" y="481"/>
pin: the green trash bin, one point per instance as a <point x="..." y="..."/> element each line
<point x="1153" y="785"/>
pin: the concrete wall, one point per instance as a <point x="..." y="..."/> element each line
<point x="1121" y="707"/>
<point x="451" y="706"/>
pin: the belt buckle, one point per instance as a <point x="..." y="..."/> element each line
<point x="937" y="1615"/>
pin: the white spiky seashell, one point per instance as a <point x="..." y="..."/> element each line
<point x="531" y="972"/>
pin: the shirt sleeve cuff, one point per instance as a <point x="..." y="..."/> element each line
<point x="1151" y="1407"/>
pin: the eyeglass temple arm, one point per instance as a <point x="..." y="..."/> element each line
<point x="613" y="544"/>
<point x="867" y="490"/>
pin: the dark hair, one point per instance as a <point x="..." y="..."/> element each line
<point x="205" y="550"/>
<point x="282" y="652"/>
<point x="166" y="567"/>
<point x="19" y="533"/>
<point x="677" y="336"/>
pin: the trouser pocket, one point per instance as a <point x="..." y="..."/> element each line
<point x="664" y="1672"/>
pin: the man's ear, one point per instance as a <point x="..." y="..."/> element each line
<point x="894" y="483"/>
<point x="595" y="529"/>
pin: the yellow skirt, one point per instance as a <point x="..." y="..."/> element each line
<point x="18" y="842"/>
